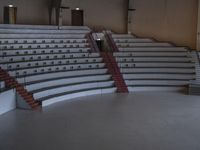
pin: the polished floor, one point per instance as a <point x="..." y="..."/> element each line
<point x="138" y="121"/>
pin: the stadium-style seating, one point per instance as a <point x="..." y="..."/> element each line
<point x="53" y="65"/>
<point x="149" y="65"/>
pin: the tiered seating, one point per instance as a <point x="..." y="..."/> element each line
<point x="148" y="65"/>
<point x="54" y="65"/>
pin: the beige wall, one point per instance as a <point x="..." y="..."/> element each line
<point x="98" y="13"/>
<point x="166" y="20"/>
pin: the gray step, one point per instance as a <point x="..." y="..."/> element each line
<point x="157" y="88"/>
<point x="158" y="70"/>
<point x="122" y="36"/>
<point x="40" y="41"/>
<point x="144" y="45"/>
<point x="39" y="36"/>
<point x="49" y="45"/>
<point x="75" y="94"/>
<point x="153" y="49"/>
<point x="156" y="65"/>
<point x="61" y="81"/>
<point x="194" y="87"/>
<point x="42" y="31"/>
<point x="47" y="57"/>
<point x="43" y="27"/>
<point x="153" y="59"/>
<point x="43" y="51"/>
<point x="156" y="83"/>
<point x="143" y="54"/>
<point x="54" y="68"/>
<point x="133" y="40"/>
<point x="159" y="76"/>
<point x="43" y="63"/>
<point x="54" y="75"/>
<point x="50" y="92"/>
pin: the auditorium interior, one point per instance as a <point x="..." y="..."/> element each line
<point x="100" y="74"/>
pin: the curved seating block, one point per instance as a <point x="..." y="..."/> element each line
<point x="157" y="88"/>
<point x="38" y="70"/>
<point x="42" y="31"/>
<point x="63" y="74"/>
<point x="158" y="70"/>
<point x="70" y="80"/>
<point x="153" y="49"/>
<point x="4" y="53"/>
<point x="134" y="40"/>
<point x="159" y="76"/>
<point x="40" y="41"/>
<point x="152" y="54"/>
<point x="46" y="45"/>
<point x="153" y="59"/>
<point x="144" y="45"/>
<point x="122" y="36"/>
<point x="48" y="56"/>
<point x="41" y="36"/>
<point x="43" y="63"/>
<point x="52" y="91"/>
<point x="158" y="65"/>
<point x="7" y="101"/>
<point x="88" y="92"/>
<point x="157" y="82"/>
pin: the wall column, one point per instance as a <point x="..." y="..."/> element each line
<point x="198" y="27"/>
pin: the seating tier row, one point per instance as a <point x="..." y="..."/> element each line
<point x="4" y="53"/>
<point x="50" y="45"/>
<point x="40" y="41"/>
<point x="10" y="59"/>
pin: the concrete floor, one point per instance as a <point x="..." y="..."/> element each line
<point x="138" y="121"/>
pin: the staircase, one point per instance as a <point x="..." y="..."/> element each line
<point x="10" y="82"/>
<point x="114" y="70"/>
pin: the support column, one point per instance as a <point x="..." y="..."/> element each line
<point x="198" y="27"/>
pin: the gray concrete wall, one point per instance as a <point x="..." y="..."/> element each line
<point x="165" y="20"/>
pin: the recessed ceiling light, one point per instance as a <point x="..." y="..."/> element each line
<point x="10" y="5"/>
<point x="77" y="8"/>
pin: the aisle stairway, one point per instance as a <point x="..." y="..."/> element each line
<point x="10" y="83"/>
<point x="114" y="70"/>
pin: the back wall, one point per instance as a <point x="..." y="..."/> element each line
<point x="165" y="20"/>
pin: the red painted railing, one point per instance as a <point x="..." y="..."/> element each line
<point x="11" y="82"/>
<point x="114" y="70"/>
